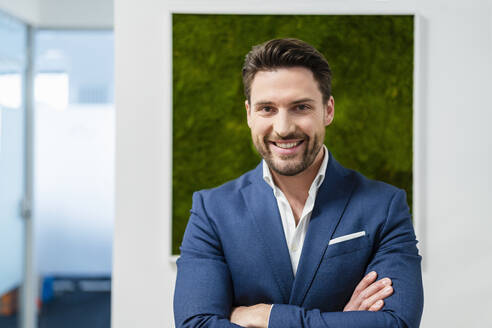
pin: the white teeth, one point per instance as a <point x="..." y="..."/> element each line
<point x="287" y="145"/>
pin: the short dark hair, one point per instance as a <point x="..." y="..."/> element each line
<point x="280" y="53"/>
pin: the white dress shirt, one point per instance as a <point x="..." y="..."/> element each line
<point x="294" y="235"/>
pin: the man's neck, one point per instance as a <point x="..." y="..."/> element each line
<point x="297" y="186"/>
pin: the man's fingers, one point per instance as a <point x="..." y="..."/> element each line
<point x="374" y="288"/>
<point x="355" y="299"/>
<point x="368" y="293"/>
<point x="379" y="296"/>
<point x="365" y="282"/>
<point x="377" y="306"/>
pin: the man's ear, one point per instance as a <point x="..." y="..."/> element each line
<point x="248" y="112"/>
<point x="329" y="109"/>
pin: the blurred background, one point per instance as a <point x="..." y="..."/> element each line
<point x="57" y="148"/>
<point x="86" y="193"/>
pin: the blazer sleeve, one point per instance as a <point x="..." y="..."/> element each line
<point x="396" y="256"/>
<point x="203" y="292"/>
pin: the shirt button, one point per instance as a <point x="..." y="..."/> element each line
<point x="294" y="248"/>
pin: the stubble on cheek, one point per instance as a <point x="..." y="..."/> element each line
<point x="261" y="145"/>
<point x="287" y="165"/>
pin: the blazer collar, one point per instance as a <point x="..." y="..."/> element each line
<point x="331" y="200"/>
<point x="265" y="215"/>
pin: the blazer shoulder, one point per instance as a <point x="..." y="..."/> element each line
<point x="363" y="186"/>
<point x="228" y="191"/>
<point x="374" y="196"/>
<point x="375" y="188"/>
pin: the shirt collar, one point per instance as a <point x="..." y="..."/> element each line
<point x="318" y="180"/>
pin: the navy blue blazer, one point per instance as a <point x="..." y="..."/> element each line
<point x="234" y="253"/>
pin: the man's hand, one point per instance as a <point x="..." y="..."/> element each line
<point x="255" y="316"/>
<point x="369" y="294"/>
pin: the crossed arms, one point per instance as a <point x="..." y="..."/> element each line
<point x="204" y="295"/>
<point x="369" y="295"/>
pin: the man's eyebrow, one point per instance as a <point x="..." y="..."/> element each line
<point x="303" y="100"/>
<point x="266" y="102"/>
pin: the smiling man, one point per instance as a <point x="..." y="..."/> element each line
<point x="299" y="241"/>
<point x="288" y="119"/>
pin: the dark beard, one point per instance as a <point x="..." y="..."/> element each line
<point x="308" y="157"/>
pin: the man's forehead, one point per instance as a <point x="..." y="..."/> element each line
<point x="286" y="84"/>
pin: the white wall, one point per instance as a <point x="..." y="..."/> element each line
<point x="143" y="277"/>
<point x="458" y="160"/>
<point x="26" y="10"/>
<point x="76" y="13"/>
<point x="453" y="145"/>
<point x="65" y="13"/>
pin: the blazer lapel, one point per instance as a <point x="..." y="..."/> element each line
<point x="263" y="208"/>
<point x="331" y="200"/>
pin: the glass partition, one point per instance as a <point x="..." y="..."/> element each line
<point x="74" y="175"/>
<point x="13" y="51"/>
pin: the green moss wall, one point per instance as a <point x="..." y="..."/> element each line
<point x="372" y="62"/>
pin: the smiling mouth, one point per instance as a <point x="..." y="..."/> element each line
<point x="287" y="145"/>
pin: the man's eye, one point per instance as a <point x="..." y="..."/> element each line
<point x="266" y="109"/>
<point x="302" y="107"/>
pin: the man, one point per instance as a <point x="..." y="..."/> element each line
<point x="300" y="240"/>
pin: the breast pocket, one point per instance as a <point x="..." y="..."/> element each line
<point x="341" y="269"/>
<point x="347" y="246"/>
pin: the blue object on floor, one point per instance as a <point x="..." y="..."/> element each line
<point x="47" y="289"/>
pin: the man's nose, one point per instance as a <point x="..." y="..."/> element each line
<point x="283" y="124"/>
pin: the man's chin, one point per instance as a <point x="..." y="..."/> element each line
<point x="289" y="169"/>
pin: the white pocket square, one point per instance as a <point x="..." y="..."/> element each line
<point x="347" y="237"/>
